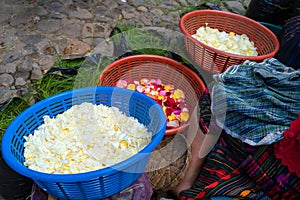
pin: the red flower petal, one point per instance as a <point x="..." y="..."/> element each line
<point x="169" y="110"/>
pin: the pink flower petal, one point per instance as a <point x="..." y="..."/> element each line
<point x="177" y="112"/>
<point x="152" y="81"/>
<point x="121" y="83"/>
<point x="162" y="93"/>
<point x="158" y="82"/>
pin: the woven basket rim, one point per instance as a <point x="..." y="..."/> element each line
<point x="180" y="176"/>
<point x="229" y="14"/>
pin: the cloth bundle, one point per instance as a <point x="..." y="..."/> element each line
<point x="255" y="102"/>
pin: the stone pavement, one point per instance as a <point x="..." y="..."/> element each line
<point x="36" y="33"/>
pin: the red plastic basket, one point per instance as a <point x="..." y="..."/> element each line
<point x="167" y="70"/>
<point x="214" y="60"/>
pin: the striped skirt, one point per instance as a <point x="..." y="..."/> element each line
<point x="235" y="169"/>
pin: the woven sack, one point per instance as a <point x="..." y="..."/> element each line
<point x="169" y="162"/>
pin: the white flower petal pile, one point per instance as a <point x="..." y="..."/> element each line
<point x="227" y="42"/>
<point x="84" y="138"/>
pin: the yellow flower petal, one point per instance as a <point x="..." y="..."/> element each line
<point x="171" y="117"/>
<point x="124" y="143"/>
<point x="131" y="86"/>
<point x="184" y="116"/>
<point x="160" y="97"/>
<point x="232" y="34"/>
<point x="178" y="94"/>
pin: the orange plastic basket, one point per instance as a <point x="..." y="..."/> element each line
<point x="216" y="61"/>
<point x="167" y="70"/>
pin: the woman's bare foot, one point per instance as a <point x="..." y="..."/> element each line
<point x="195" y="139"/>
<point x="190" y="176"/>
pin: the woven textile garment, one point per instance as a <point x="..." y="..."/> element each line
<point x="241" y="171"/>
<point x="256" y="102"/>
<point x="235" y="169"/>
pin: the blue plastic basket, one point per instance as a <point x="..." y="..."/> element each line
<point x="96" y="184"/>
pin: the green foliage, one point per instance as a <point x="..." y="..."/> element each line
<point x="10" y="111"/>
<point x="70" y="63"/>
<point x="90" y="71"/>
<point x="52" y="84"/>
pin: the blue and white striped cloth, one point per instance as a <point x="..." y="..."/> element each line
<point x="256" y="102"/>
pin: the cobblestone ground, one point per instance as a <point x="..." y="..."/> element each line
<point x="34" y="33"/>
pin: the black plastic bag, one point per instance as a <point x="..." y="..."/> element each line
<point x="273" y="11"/>
<point x="121" y="48"/>
<point x="12" y="184"/>
<point x="289" y="38"/>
